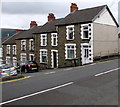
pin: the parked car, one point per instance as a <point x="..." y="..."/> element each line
<point x="7" y="70"/>
<point x="28" y="66"/>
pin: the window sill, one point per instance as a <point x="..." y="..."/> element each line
<point x="45" y="63"/>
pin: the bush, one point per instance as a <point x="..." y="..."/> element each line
<point x="12" y="77"/>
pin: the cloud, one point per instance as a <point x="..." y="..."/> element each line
<point x="32" y="7"/>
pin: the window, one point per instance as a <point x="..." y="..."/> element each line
<point x="8" y="49"/>
<point x="14" y="61"/>
<point x="31" y="44"/>
<point x="86" y="31"/>
<point x="14" y="49"/>
<point x="23" y="57"/>
<point x="23" y="45"/>
<point x="43" y="39"/>
<point x="54" y="39"/>
<point x="70" y="51"/>
<point x="43" y="56"/>
<point x="8" y="61"/>
<point x="70" y="32"/>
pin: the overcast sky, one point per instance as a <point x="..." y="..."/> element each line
<point x="19" y="13"/>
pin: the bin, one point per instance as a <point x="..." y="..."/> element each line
<point x="77" y="61"/>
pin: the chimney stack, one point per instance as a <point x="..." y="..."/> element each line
<point x="73" y="7"/>
<point x="33" y="23"/>
<point x="51" y="17"/>
<point x="18" y="30"/>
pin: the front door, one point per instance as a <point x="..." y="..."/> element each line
<point x="54" y="59"/>
<point x="85" y="55"/>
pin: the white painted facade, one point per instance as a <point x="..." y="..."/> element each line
<point x="105" y="18"/>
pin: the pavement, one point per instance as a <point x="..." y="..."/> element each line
<point x="94" y="84"/>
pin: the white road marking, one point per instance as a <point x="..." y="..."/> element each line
<point x="107" y="72"/>
<point x="68" y="69"/>
<point x="40" y="92"/>
<point x="50" y="72"/>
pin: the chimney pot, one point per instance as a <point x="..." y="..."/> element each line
<point x="51" y="17"/>
<point x="33" y="23"/>
<point x="73" y="7"/>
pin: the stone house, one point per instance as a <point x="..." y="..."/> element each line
<point x="84" y="35"/>
<point x="79" y="38"/>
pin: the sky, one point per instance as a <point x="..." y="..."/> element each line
<point x="19" y="13"/>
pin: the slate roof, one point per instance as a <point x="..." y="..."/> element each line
<point x="11" y="39"/>
<point x="48" y="27"/>
<point x="83" y="16"/>
<point x="29" y="33"/>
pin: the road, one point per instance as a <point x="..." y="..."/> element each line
<point x="94" y="84"/>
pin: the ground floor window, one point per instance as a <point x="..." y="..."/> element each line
<point x="14" y="61"/>
<point x="23" y="57"/>
<point x="43" y="56"/>
<point x="70" y="51"/>
<point x="8" y="61"/>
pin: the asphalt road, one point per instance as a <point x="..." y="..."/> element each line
<point x="69" y="86"/>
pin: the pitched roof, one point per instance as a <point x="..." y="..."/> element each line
<point x="11" y="39"/>
<point x="83" y="16"/>
<point x="48" y="27"/>
<point x="29" y="33"/>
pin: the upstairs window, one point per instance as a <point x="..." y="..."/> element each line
<point x="54" y="39"/>
<point x="70" y="51"/>
<point x="23" y="45"/>
<point x="14" y="49"/>
<point x="43" y="39"/>
<point x="43" y="56"/>
<point x="8" y="49"/>
<point x="31" y="44"/>
<point x="70" y="32"/>
<point x="86" y="31"/>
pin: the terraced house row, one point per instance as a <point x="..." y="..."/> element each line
<point x="82" y="36"/>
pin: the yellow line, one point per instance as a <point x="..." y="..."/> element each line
<point x="15" y="80"/>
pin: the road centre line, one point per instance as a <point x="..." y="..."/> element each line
<point x="40" y="92"/>
<point x="107" y="72"/>
<point x="50" y="72"/>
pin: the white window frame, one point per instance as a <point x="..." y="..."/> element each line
<point x="52" y="39"/>
<point x="25" y="56"/>
<point x="14" y="49"/>
<point x="66" y="50"/>
<point x="23" y="44"/>
<point x="31" y="47"/>
<point x="30" y="57"/>
<point x="8" y="62"/>
<point x="67" y="32"/>
<point x="14" y="61"/>
<point x="82" y="30"/>
<point x="43" y="50"/>
<point x="8" y="49"/>
<point x="43" y="36"/>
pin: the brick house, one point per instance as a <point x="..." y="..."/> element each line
<point x="83" y="34"/>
